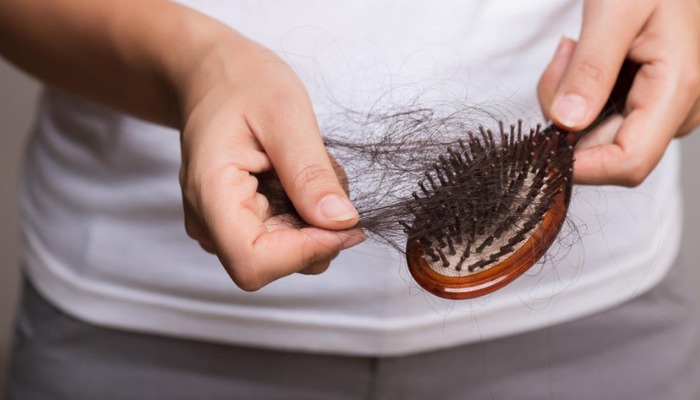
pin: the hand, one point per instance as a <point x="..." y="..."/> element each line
<point x="240" y="108"/>
<point x="663" y="36"/>
<point x="245" y="112"/>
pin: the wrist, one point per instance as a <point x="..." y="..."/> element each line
<point x="208" y="55"/>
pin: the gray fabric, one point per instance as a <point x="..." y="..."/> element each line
<point x="645" y="349"/>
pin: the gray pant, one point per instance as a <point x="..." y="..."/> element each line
<point x="645" y="349"/>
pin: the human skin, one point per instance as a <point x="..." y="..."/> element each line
<point x="663" y="36"/>
<point x="169" y="64"/>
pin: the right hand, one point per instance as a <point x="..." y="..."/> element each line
<point x="663" y="37"/>
<point x="245" y="111"/>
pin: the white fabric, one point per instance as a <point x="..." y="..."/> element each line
<point x="103" y="220"/>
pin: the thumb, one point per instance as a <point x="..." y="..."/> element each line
<point x="304" y="167"/>
<point x="607" y="33"/>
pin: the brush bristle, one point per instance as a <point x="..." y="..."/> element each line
<point x="481" y="200"/>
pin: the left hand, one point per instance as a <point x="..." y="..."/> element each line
<point x="663" y="36"/>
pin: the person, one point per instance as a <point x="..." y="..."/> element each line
<point x="121" y="304"/>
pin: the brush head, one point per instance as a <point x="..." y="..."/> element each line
<point x="495" y="205"/>
<point x="488" y="210"/>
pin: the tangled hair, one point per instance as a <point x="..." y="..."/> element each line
<point x="464" y="195"/>
<point x="472" y="206"/>
<point x="472" y="179"/>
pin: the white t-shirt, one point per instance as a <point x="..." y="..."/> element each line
<point x="102" y="206"/>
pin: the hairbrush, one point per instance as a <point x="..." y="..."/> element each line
<point x="461" y="248"/>
<point x="483" y="212"/>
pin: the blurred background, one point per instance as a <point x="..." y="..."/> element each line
<point x="17" y="105"/>
<point x="18" y="93"/>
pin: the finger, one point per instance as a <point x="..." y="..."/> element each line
<point x="642" y="137"/>
<point x="309" y="250"/>
<point x="554" y="73"/>
<point x="197" y="231"/>
<point x="316" y="269"/>
<point x="203" y="151"/>
<point x="604" y="134"/>
<point x="691" y="122"/>
<point x="670" y="41"/>
<point x="252" y="254"/>
<point x="283" y="252"/>
<point x="209" y="247"/>
<point x="262" y="206"/>
<point x="194" y="227"/>
<point x="291" y="138"/>
<point x="606" y="36"/>
<point x="627" y="161"/>
<point x="322" y="266"/>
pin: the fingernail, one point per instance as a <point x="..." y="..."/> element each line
<point x="571" y="110"/>
<point x="337" y="208"/>
<point x="353" y="240"/>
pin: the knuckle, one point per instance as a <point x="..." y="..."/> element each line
<point x="191" y="229"/>
<point x="309" y="259"/>
<point x="247" y="279"/>
<point x="692" y="80"/>
<point x="191" y="195"/>
<point x="208" y="247"/>
<point x="631" y="181"/>
<point x="249" y="286"/>
<point x="290" y="102"/>
<point x="691" y="123"/>
<point x="689" y="85"/>
<point x="312" y="176"/>
<point x="312" y="256"/>
<point x="590" y="78"/>
<point x="592" y="69"/>
<point x="639" y="177"/>
<point x="185" y="184"/>
<point x="182" y="176"/>
<point x="634" y="175"/>
<point x="316" y="269"/>
<point x="289" y="105"/>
